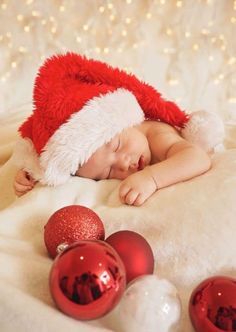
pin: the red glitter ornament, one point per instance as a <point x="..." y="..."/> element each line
<point x="87" y="279"/>
<point x="70" y="224"/>
<point x="135" y="252"/>
<point x="212" y="306"/>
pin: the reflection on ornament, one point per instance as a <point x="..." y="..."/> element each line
<point x="87" y="280"/>
<point x="148" y="304"/>
<point x="212" y="306"/>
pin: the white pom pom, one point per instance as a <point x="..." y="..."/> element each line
<point x="149" y="304"/>
<point x="204" y="129"/>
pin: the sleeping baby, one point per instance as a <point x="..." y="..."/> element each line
<point x="98" y="122"/>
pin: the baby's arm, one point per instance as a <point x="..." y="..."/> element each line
<point x="174" y="160"/>
<point x="180" y="160"/>
<point x="23" y="183"/>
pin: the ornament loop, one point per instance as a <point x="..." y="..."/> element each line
<point x="61" y="247"/>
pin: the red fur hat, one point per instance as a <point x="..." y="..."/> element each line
<point x="79" y="105"/>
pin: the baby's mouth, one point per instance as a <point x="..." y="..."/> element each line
<point x="141" y="163"/>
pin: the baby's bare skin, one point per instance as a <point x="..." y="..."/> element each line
<point x="147" y="157"/>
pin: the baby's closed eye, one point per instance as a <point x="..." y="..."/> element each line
<point x="117" y="145"/>
<point x="114" y="144"/>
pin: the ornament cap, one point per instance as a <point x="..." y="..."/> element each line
<point x="61" y="247"/>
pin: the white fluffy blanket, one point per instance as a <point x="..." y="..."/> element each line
<point x="190" y="226"/>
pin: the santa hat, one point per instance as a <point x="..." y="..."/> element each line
<point x="79" y="105"/>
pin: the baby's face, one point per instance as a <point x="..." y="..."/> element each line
<point x="125" y="154"/>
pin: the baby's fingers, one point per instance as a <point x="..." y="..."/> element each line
<point x="131" y="197"/>
<point x="141" y="198"/>
<point x="25" y="179"/>
<point x="22" y="188"/>
<point x="123" y="191"/>
<point x="19" y="193"/>
<point x="128" y="195"/>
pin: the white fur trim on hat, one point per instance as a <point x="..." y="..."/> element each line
<point x="85" y="131"/>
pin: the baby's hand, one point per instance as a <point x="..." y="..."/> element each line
<point x="23" y="183"/>
<point x="137" y="188"/>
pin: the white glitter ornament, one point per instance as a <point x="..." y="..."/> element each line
<point x="149" y="304"/>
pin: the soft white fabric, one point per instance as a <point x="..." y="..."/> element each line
<point x="190" y="227"/>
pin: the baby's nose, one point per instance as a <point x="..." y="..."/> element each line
<point x="123" y="162"/>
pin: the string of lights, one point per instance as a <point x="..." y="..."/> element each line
<point x="128" y="33"/>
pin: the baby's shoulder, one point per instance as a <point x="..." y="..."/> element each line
<point x="161" y="137"/>
<point x="159" y="128"/>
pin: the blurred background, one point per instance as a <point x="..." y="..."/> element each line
<point x="184" y="48"/>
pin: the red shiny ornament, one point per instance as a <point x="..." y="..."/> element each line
<point x="87" y="279"/>
<point x="135" y="252"/>
<point x="212" y="305"/>
<point x="70" y="224"/>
